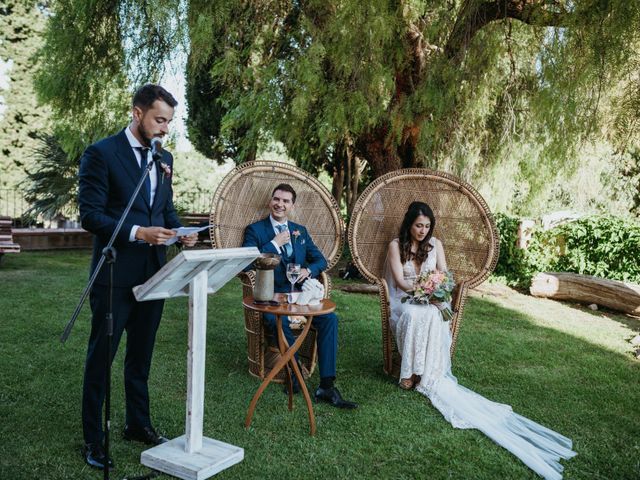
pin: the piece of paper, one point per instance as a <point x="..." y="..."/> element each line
<point x="183" y="231"/>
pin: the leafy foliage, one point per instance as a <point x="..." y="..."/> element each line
<point x="81" y="72"/>
<point x="602" y="246"/>
<point x="512" y="264"/>
<point x="86" y="75"/>
<point x="22" y="24"/>
<point x="628" y="179"/>
<point x="606" y="247"/>
<point x="206" y="112"/>
<point x="52" y="185"/>
<point x="493" y="91"/>
<point x="507" y="94"/>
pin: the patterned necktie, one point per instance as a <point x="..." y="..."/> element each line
<point x="144" y="153"/>
<point x="288" y="249"/>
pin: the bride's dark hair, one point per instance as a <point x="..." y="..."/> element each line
<point x="424" y="247"/>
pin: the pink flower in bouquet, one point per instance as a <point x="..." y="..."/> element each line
<point x="433" y="288"/>
<point x="427" y="286"/>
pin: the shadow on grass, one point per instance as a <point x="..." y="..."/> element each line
<point x="630" y="321"/>
<point x="571" y="385"/>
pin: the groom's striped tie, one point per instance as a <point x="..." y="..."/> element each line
<point x="288" y="249"/>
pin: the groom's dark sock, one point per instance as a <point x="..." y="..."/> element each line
<point x="326" y="382"/>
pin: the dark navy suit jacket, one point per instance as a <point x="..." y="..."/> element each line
<point x="109" y="173"/>
<point x="305" y="252"/>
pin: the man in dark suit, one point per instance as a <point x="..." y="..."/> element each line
<point x="109" y="172"/>
<point x="276" y="234"/>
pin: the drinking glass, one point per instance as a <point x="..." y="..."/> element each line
<point x="293" y="272"/>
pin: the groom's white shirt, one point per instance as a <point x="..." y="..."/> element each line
<point x="275" y="226"/>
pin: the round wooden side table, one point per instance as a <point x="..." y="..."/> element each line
<point x="287" y="352"/>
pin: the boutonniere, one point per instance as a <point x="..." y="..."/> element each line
<point x="166" y="170"/>
<point x="296" y="235"/>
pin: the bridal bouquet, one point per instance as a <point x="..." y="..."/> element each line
<point x="433" y="288"/>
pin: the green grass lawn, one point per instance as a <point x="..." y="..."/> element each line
<point x="562" y="366"/>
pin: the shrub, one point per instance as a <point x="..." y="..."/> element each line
<point x="602" y="246"/>
<point x="607" y="247"/>
<point x="512" y="267"/>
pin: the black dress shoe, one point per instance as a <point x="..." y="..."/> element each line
<point x="333" y="397"/>
<point x="143" y="434"/>
<point x="95" y="456"/>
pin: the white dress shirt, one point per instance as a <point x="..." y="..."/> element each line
<point x="275" y="225"/>
<point x="153" y="177"/>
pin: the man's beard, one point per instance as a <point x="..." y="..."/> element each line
<point x="144" y="135"/>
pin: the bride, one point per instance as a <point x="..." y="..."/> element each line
<point x="424" y="341"/>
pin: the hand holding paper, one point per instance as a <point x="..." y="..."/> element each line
<point x="154" y="235"/>
<point x="184" y="231"/>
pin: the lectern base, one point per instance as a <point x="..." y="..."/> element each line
<point x="213" y="457"/>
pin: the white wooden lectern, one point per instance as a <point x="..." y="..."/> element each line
<point x="195" y="273"/>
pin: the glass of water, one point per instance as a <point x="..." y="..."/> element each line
<point x="293" y="272"/>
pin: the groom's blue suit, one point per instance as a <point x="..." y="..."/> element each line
<point x="307" y="254"/>
<point x="109" y="173"/>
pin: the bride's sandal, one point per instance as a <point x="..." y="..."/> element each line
<point x="406" y="383"/>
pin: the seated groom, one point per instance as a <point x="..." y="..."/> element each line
<point x="273" y="234"/>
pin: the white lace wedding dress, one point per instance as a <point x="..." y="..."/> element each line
<point x="424" y="341"/>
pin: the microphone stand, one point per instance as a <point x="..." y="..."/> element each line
<point x="109" y="255"/>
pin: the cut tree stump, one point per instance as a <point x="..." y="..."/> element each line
<point x="621" y="296"/>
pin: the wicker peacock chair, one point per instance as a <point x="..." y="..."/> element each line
<point x="241" y="199"/>
<point x="464" y="224"/>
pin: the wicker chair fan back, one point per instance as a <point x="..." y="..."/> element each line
<point x="243" y="196"/>
<point x="464" y="222"/>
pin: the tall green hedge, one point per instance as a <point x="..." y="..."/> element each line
<point x="603" y="246"/>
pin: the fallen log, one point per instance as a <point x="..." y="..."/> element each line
<point x="621" y="296"/>
<point x="358" y="288"/>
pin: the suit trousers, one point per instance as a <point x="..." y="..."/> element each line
<point x="327" y="328"/>
<point x="141" y="321"/>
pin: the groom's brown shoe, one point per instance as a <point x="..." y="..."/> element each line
<point x="333" y="397"/>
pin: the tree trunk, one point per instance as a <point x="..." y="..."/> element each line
<point x="337" y="186"/>
<point x="348" y="168"/>
<point x="355" y="182"/>
<point x="372" y="147"/>
<point x="345" y="171"/>
<point x="378" y="146"/>
<point x="621" y="296"/>
<point x="383" y="156"/>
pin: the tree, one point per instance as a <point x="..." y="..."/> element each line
<point x="81" y="72"/>
<point x="503" y="93"/>
<point x="454" y="85"/>
<point x="22" y="24"/>
<point x="85" y="74"/>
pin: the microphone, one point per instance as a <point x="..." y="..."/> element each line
<point x="156" y="148"/>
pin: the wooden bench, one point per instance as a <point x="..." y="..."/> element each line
<point x="7" y="244"/>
